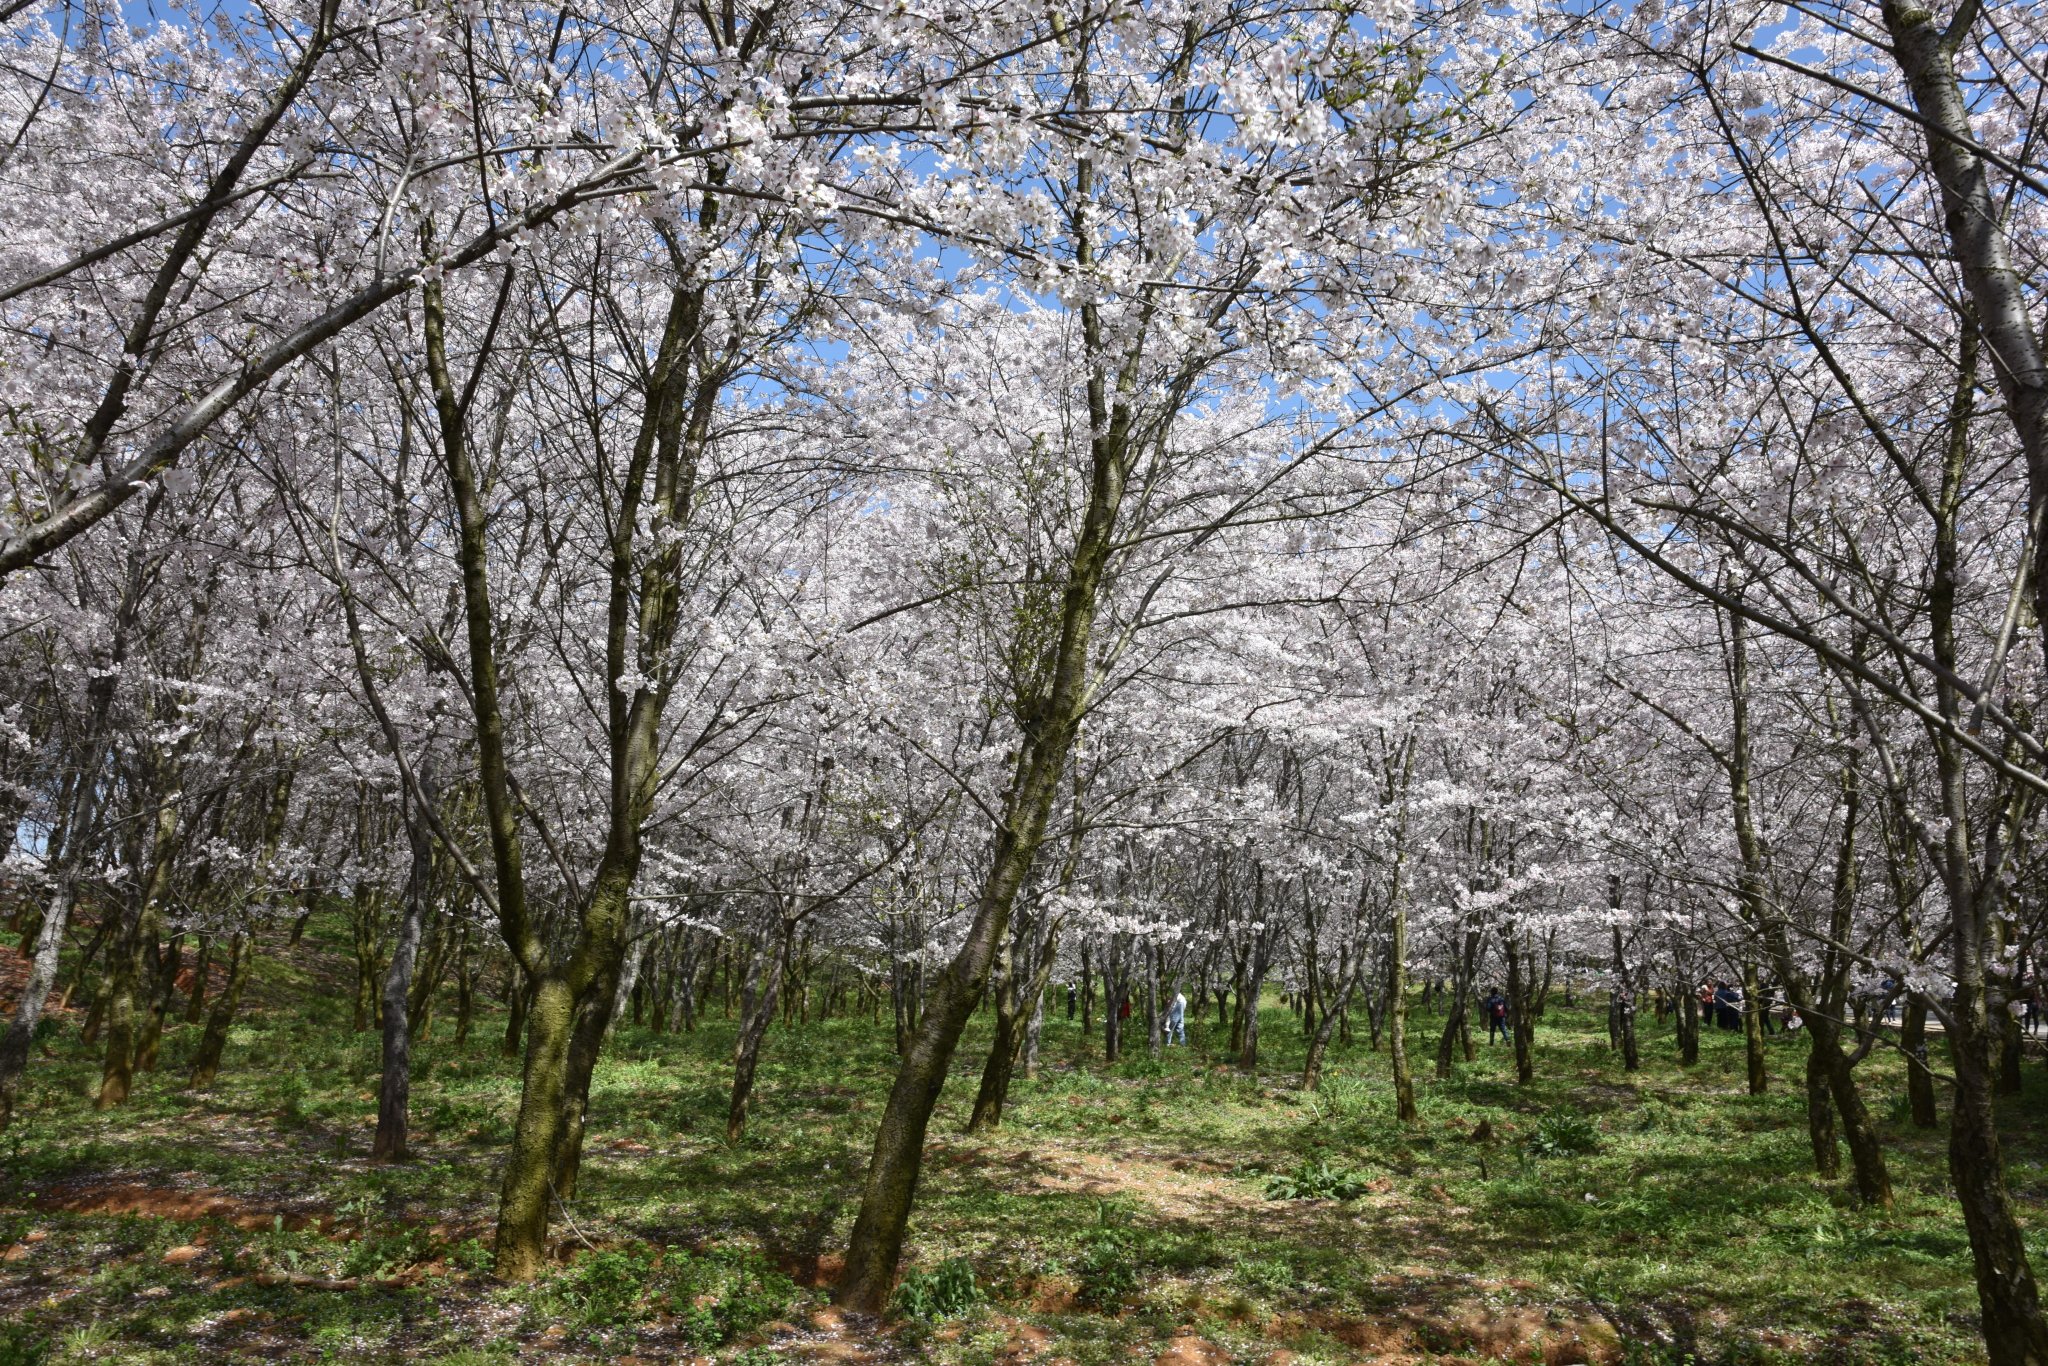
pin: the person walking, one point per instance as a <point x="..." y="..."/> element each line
<point x="1496" y="1017"/>
<point x="1177" y="1019"/>
<point x="1070" y="1000"/>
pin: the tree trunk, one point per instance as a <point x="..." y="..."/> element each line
<point x="1397" y="1017"/>
<point x="124" y="966"/>
<point x="42" y="974"/>
<point x="213" y="1043"/>
<point x="465" y="990"/>
<point x="1333" y="1011"/>
<point x="1254" y="989"/>
<point x="394" y="1089"/>
<point x="1688" y="1026"/>
<point x="526" y="1194"/>
<point x="593" y="1021"/>
<point x="170" y="958"/>
<point x="1919" y="1081"/>
<point x="764" y="992"/>
<point x="1523" y="1025"/>
<point x="1820" y="1111"/>
<point x="1454" y="1020"/>
<point x="518" y="996"/>
<point x="2014" y="1330"/>
<point x="195" y="1002"/>
<point x="1154" y="1031"/>
<point x="1753" y="1031"/>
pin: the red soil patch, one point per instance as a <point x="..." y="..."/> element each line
<point x="157" y="1203"/>
<point x="13" y="977"/>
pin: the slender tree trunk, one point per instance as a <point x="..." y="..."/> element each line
<point x="876" y="1245"/>
<point x="1523" y="1026"/>
<point x="1397" y="1017"/>
<point x="394" y="1090"/>
<point x="765" y="993"/>
<point x="465" y="990"/>
<point x="170" y="959"/>
<point x="1254" y="989"/>
<point x="1919" y="1081"/>
<point x="586" y="1041"/>
<point x="117" y="1075"/>
<point x="1753" y="1031"/>
<point x="1454" y="1019"/>
<point x="1333" y="1011"/>
<point x="195" y="1002"/>
<point x="35" y="992"/>
<point x="1154" y="1034"/>
<point x="213" y="1043"/>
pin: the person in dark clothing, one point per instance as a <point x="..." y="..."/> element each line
<point x="1070" y="1000"/>
<point x="1727" y="1008"/>
<point x="1767" y="1002"/>
<point x="1496" y="1008"/>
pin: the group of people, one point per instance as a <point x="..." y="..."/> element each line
<point x="1725" y="1004"/>
<point x="1176" y="1013"/>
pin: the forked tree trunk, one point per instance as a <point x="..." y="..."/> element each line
<point x="1454" y="1020"/>
<point x="763" y="993"/>
<point x="1688" y="1026"/>
<point x="170" y="959"/>
<point x="1820" y="1111"/>
<point x="195" y="1001"/>
<point x="1333" y="1011"/>
<point x="213" y="1043"/>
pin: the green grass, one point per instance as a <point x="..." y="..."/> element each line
<point x="1663" y="1213"/>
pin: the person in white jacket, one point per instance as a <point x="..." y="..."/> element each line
<point x="1177" y="1019"/>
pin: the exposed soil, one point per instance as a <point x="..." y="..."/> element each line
<point x="113" y="1196"/>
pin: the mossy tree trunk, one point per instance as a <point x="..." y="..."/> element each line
<point x="213" y="1043"/>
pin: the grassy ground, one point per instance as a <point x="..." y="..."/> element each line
<point x="1120" y="1214"/>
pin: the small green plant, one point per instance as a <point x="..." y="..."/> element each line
<point x="1316" y="1180"/>
<point x="19" y="1346"/>
<point x="947" y="1291"/>
<point x="472" y="1255"/>
<point x="1342" y="1099"/>
<point x="721" y="1294"/>
<point x="384" y="1253"/>
<point x="1108" y="1265"/>
<point x="1561" y="1132"/>
<point x="1267" y="1276"/>
<point x="604" y="1288"/>
<point x="291" y="1096"/>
